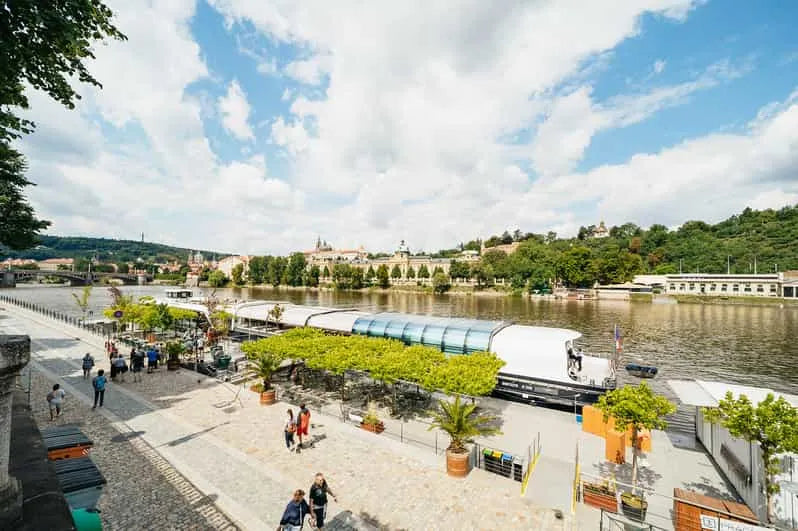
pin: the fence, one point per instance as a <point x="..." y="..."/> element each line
<point x="94" y="328"/>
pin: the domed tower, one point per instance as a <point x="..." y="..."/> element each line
<point x="403" y="251"/>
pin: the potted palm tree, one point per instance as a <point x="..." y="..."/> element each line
<point x="371" y="422"/>
<point x="462" y="422"/>
<point x="173" y="351"/>
<point x="265" y="365"/>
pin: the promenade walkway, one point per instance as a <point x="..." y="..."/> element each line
<point x="233" y="453"/>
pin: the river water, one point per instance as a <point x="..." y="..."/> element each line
<point x="753" y="345"/>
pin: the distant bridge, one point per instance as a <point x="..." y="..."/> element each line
<point x="10" y="277"/>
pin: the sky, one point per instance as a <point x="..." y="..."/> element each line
<point x="256" y="126"/>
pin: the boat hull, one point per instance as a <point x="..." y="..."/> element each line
<point x="528" y="390"/>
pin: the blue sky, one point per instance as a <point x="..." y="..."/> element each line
<point x="253" y="127"/>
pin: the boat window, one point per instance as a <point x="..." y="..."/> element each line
<point x="396" y="329"/>
<point x="454" y="340"/>
<point x="433" y="335"/>
<point x="412" y="333"/>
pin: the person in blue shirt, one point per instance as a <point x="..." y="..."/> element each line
<point x="98" y="382"/>
<point x="152" y="359"/>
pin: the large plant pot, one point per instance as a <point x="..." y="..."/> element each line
<point x="268" y="398"/>
<point x="599" y="498"/>
<point x="457" y="464"/>
<point x="373" y="428"/>
<point x="634" y="507"/>
<point x="172" y="365"/>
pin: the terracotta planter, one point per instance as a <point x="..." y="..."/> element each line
<point x="457" y="464"/>
<point x="373" y="428"/>
<point x="599" y="499"/>
<point x="269" y="397"/>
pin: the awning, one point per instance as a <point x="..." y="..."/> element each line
<point x="708" y="394"/>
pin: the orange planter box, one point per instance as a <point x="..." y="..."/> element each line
<point x="615" y="447"/>
<point x="69" y="453"/>
<point x="593" y="421"/>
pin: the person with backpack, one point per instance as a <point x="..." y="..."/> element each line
<point x="290" y="428"/>
<point x="118" y="368"/>
<point x="88" y="364"/>
<point x="152" y="360"/>
<point x="302" y="424"/>
<point x="98" y="382"/>
<point x="295" y="512"/>
<point x="55" y="398"/>
<point x="318" y="499"/>
<point x="136" y="363"/>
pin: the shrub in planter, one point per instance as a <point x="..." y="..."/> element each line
<point x="265" y="365"/>
<point x="371" y="421"/>
<point x="634" y="506"/>
<point x="462" y="423"/>
<point x="173" y="351"/>
<point x="600" y="495"/>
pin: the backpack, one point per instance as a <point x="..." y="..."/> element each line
<point x="50" y="396"/>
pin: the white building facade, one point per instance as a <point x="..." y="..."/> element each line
<point x="754" y="285"/>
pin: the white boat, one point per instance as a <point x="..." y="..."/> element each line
<point x="537" y="366"/>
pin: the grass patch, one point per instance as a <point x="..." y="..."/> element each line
<point x="743" y="299"/>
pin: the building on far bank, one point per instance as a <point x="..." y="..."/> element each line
<point x="11" y="263"/>
<point x="51" y="264"/>
<point x="725" y="285"/>
<point x="655" y="281"/>
<point x="622" y="291"/>
<point x="404" y="260"/>
<point x="789" y="285"/>
<point x="226" y="265"/>
<point x="600" y="232"/>
<point x="324" y="255"/>
<point x="507" y="248"/>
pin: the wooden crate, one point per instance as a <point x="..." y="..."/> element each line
<point x="689" y="506"/>
<point x="615" y="447"/>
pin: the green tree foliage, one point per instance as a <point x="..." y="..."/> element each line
<point x="482" y="273"/>
<point x="44" y="46"/>
<point x="383" y="279"/>
<point x="216" y="279"/>
<point x="257" y="269"/>
<point x="237" y="274"/>
<point x="19" y="226"/>
<point x="295" y="269"/>
<point x="370" y="274"/>
<point x="441" y="283"/>
<point x="396" y="273"/>
<point x="459" y="270"/>
<point x="346" y="276"/>
<point x="772" y="423"/>
<point x="462" y="422"/>
<point x="325" y="272"/>
<point x="411" y="273"/>
<point x="639" y="408"/>
<point x="82" y="300"/>
<point x="312" y="277"/>
<point x="276" y="269"/>
<point x="423" y="272"/>
<point x="387" y="360"/>
<point x="265" y="365"/>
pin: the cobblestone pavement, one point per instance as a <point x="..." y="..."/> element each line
<point x="143" y="491"/>
<point x="231" y="447"/>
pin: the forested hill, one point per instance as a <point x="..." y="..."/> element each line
<point x="104" y="249"/>
<point x="767" y="238"/>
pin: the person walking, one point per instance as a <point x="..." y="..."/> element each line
<point x="295" y="512"/>
<point x="289" y="429"/>
<point x="88" y="364"/>
<point x="152" y="360"/>
<point x="120" y="368"/>
<point x="318" y="499"/>
<point x="98" y="383"/>
<point x="302" y="424"/>
<point x="55" y="398"/>
<point x="136" y="364"/>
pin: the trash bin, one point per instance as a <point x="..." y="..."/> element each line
<point x="81" y="482"/>
<point x="87" y="520"/>
<point x="222" y="362"/>
<point x="65" y="442"/>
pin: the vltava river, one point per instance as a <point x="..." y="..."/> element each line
<point x="754" y="345"/>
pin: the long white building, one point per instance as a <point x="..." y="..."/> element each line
<point x="753" y="285"/>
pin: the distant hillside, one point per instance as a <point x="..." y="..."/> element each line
<point x="105" y="249"/>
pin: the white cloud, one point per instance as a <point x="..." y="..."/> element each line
<point x="235" y="112"/>
<point x="659" y="66"/>
<point x="309" y="71"/>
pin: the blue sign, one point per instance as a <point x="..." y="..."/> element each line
<point x="118" y="314"/>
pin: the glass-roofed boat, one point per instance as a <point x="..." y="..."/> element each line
<point x="541" y="363"/>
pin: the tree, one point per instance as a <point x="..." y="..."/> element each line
<point x="19" y="226"/>
<point x="216" y="279"/>
<point x="383" y="279"/>
<point x="275" y="315"/>
<point x="459" y="270"/>
<point x="83" y="300"/>
<point x="276" y="270"/>
<point x="257" y="269"/>
<point x="44" y="47"/>
<point x="312" y="279"/>
<point x="396" y="273"/>
<point x="482" y="273"/>
<point x="265" y="365"/>
<point x="326" y="272"/>
<point x="441" y="283"/>
<point x="423" y="272"/>
<point x="638" y="408"/>
<point x="237" y="274"/>
<point x="123" y="267"/>
<point x="411" y="273"/>
<point x="462" y="422"/>
<point x="295" y="269"/>
<point x="773" y="424"/>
